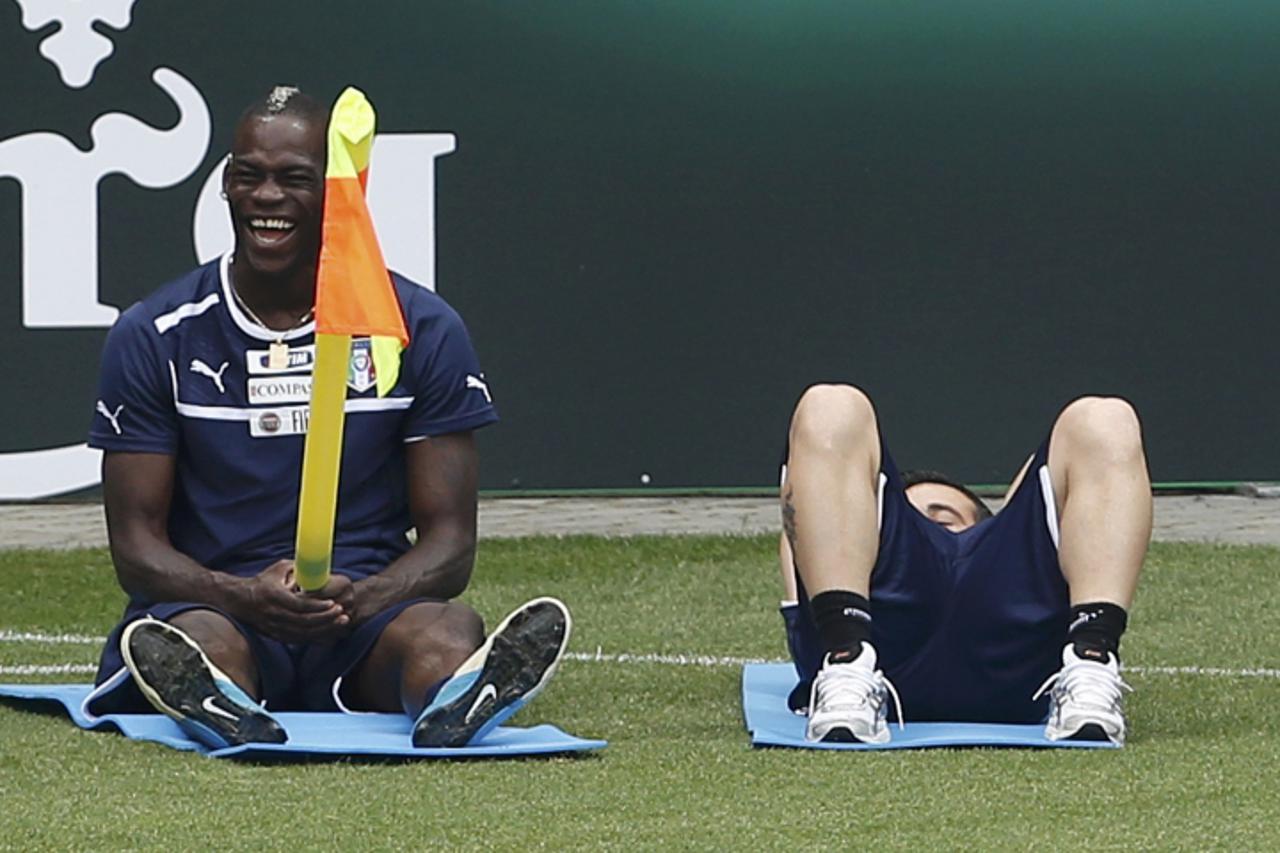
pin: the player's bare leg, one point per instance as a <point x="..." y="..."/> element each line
<point x="420" y="648"/>
<point x="829" y="498"/>
<point x="1103" y="493"/>
<point x="829" y="515"/>
<point x="224" y="645"/>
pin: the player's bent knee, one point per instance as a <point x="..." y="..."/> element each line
<point x="214" y="633"/>
<point x="448" y="628"/>
<point x="833" y="416"/>
<point x="1105" y="425"/>
<point x="461" y="626"/>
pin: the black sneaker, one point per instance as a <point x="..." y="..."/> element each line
<point x="514" y="663"/>
<point x="182" y="683"/>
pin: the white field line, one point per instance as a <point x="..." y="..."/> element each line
<point x="709" y="661"/>
<point x="50" y="669"/>
<point x="598" y="656"/>
<point x="668" y="660"/>
<point x="50" y="639"/>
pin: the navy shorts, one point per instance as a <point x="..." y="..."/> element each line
<point x="294" y="676"/>
<point x="966" y="625"/>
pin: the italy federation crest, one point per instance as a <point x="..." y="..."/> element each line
<point x="361" y="374"/>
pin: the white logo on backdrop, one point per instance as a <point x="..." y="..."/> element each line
<point x="75" y="47"/>
<point x="60" y="199"/>
<point x="60" y="206"/>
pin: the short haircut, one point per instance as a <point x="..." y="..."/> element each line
<point x="911" y="478"/>
<point x="285" y="100"/>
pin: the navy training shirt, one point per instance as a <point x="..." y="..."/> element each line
<point x="185" y="372"/>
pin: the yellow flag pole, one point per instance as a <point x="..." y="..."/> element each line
<point x="350" y="140"/>
<point x="321" y="461"/>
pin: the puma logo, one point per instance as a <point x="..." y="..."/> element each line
<point x="479" y="384"/>
<point x="113" y="417"/>
<point x="198" y="366"/>
<point x="1083" y="619"/>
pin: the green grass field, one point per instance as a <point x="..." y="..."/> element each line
<point x="1201" y="771"/>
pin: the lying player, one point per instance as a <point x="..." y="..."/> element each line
<point x="911" y="583"/>
<point x="202" y="414"/>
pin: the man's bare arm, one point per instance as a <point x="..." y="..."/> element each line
<point x="442" y="478"/>
<point x="137" y="490"/>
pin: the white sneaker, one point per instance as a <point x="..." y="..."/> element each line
<point x="848" y="701"/>
<point x="1085" y="703"/>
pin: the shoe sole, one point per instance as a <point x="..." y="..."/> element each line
<point x="840" y="735"/>
<point x="1090" y="732"/>
<point x="176" y="677"/>
<point x="514" y="664"/>
<point x="843" y="734"/>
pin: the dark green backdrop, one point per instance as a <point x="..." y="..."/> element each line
<point x="663" y="219"/>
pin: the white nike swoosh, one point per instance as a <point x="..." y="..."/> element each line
<point x="207" y="704"/>
<point x="486" y="692"/>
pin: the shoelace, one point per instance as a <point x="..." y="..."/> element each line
<point x="847" y="686"/>
<point x="1091" y="684"/>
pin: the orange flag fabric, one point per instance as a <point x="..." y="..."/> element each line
<point x="354" y="293"/>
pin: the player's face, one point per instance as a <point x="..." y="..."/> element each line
<point x="275" y="188"/>
<point x="944" y="504"/>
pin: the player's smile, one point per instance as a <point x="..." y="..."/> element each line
<point x="274" y="244"/>
<point x="269" y="242"/>
<point x="271" y="229"/>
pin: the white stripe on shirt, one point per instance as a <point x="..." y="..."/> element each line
<point x="236" y="413"/>
<point x="165" y="322"/>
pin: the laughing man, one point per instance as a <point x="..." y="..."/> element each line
<point x="202" y="416"/>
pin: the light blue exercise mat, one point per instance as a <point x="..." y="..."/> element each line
<point x="310" y="734"/>
<point x="765" y="687"/>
